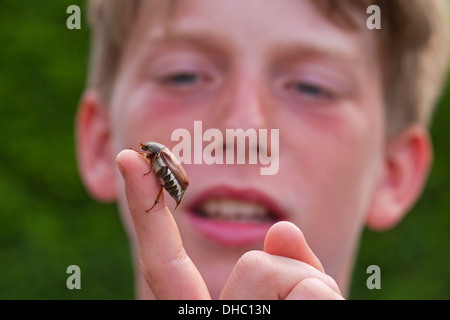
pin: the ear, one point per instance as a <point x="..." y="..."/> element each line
<point x="95" y="160"/>
<point x="406" y="165"/>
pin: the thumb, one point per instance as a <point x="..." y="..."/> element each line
<point x="285" y="239"/>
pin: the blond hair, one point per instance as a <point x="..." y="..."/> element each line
<point x="413" y="50"/>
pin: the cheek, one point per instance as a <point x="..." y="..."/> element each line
<point x="147" y="116"/>
<point x="141" y="118"/>
<point x="336" y="161"/>
<point x="344" y="193"/>
<point x="333" y="155"/>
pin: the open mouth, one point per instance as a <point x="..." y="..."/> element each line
<point x="234" y="217"/>
<point x="240" y="211"/>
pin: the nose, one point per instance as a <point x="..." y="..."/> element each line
<point x="246" y="106"/>
<point x="246" y="109"/>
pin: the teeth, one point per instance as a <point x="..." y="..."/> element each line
<point x="228" y="209"/>
<point x="211" y="208"/>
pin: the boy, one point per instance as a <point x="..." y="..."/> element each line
<point x="351" y="106"/>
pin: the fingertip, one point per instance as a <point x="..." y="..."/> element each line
<point x="285" y="228"/>
<point x="281" y="236"/>
<point x="141" y="188"/>
<point x="133" y="167"/>
<point x="286" y="239"/>
<point x="120" y="159"/>
<point x="127" y="159"/>
<point x="125" y="154"/>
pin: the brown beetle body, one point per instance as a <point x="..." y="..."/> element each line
<point x="170" y="173"/>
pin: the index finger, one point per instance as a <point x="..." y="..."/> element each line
<point x="165" y="265"/>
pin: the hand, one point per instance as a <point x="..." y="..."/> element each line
<point x="286" y="269"/>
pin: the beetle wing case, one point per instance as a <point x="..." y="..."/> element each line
<point x="175" y="166"/>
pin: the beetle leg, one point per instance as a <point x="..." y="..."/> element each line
<point x="157" y="199"/>
<point x="150" y="170"/>
<point x="152" y="162"/>
<point x="138" y="151"/>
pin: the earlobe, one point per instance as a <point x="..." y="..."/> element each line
<point x="406" y="165"/>
<point x="94" y="156"/>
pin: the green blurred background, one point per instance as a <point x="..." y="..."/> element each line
<point x="48" y="221"/>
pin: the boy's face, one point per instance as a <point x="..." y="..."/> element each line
<point x="286" y="66"/>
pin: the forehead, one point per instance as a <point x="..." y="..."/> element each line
<point x="255" y="24"/>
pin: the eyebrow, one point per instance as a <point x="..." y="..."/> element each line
<point x="295" y="51"/>
<point x="200" y="38"/>
<point x="290" y="49"/>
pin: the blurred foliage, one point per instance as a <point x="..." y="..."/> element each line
<point x="48" y="222"/>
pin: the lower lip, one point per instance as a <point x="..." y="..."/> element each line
<point x="229" y="233"/>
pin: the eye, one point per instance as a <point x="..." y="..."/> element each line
<point x="312" y="91"/>
<point x="182" y="79"/>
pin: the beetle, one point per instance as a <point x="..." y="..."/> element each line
<point x="169" y="171"/>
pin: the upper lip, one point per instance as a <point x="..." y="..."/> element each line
<point x="242" y="194"/>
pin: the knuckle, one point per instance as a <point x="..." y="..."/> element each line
<point x="332" y="283"/>
<point x="319" y="289"/>
<point x="252" y="260"/>
<point x="179" y="256"/>
<point x="253" y="266"/>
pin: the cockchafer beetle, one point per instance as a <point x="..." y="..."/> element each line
<point x="171" y="175"/>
